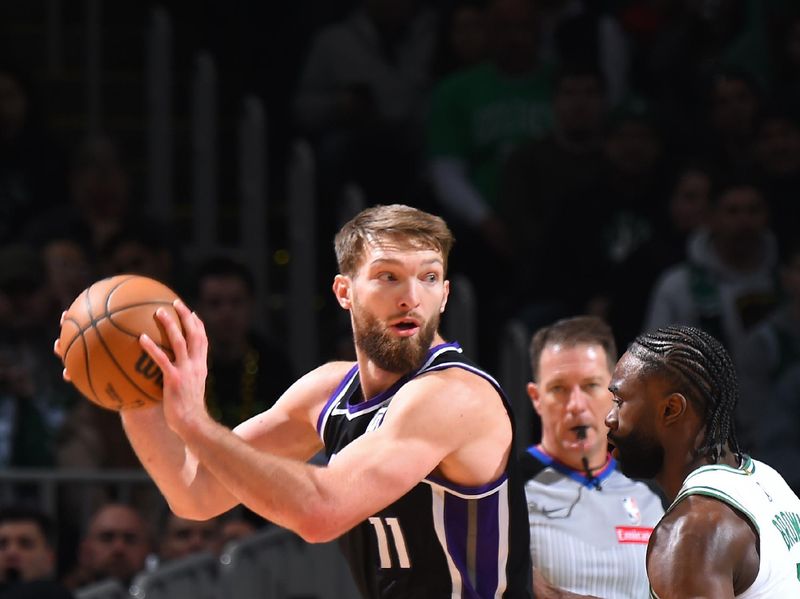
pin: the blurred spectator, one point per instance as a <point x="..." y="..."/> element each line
<point x="102" y="202"/>
<point x="147" y="251"/>
<point x="614" y="218"/>
<point x="785" y="54"/>
<point x="727" y="284"/>
<point x="540" y="174"/>
<point x="633" y="278"/>
<point x="777" y="422"/>
<point x="115" y="545"/>
<point x="478" y="115"/>
<point x="732" y="102"/>
<point x="679" y="44"/>
<point x="32" y="165"/>
<point x="32" y="400"/>
<point x="688" y="206"/>
<point x="461" y="41"/>
<point x="777" y="156"/>
<point x="361" y="98"/>
<point x="68" y="269"/>
<point x="100" y="189"/>
<point x="92" y="437"/>
<point x="580" y="32"/>
<point x="247" y="372"/>
<point x="28" y="556"/>
<point x="768" y="353"/>
<point x="180" y="537"/>
<point x="237" y="524"/>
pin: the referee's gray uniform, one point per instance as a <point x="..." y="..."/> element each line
<point x="589" y="536"/>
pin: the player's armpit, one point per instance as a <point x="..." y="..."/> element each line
<point x="702" y="548"/>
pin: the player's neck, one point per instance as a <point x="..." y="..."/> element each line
<point x="374" y="379"/>
<point x="671" y="479"/>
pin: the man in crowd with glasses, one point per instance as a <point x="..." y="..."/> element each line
<point x="589" y="523"/>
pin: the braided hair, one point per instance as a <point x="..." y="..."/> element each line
<point x="702" y="370"/>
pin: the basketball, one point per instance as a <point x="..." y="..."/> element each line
<point x="99" y="341"/>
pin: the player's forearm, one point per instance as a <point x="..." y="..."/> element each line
<point x="189" y="488"/>
<point x="285" y="491"/>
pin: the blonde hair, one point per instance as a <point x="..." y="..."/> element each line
<point x="401" y="223"/>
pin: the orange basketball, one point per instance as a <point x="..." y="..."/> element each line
<point x="99" y="341"/>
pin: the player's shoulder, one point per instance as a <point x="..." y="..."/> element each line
<point x="697" y="521"/>
<point x="456" y="378"/>
<point x="452" y="391"/>
<point x="701" y="539"/>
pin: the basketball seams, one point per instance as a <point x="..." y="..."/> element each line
<point x="88" y="370"/>
<point x="79" y="333"/>
<point x="119" y="327"/>
<point x="128" y="304"/>
<point x="92" y="320"/>
<point x="107" y="315"/>
<point x="120" y="368"/>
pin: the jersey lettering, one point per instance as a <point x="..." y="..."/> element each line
<point x="383" y="542"/>
<point x="788" y="525"/>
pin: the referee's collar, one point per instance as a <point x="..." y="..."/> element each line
<point x="579" y="476"/>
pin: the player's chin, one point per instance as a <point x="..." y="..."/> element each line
<point x="613" y="450"/>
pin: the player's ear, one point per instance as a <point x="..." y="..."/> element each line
<point x="341" y="289"/>
<point x="445" y="296"/>
<point x="674" y="408"/>
<point x="533" y="392"/>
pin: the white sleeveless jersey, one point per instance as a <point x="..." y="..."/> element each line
<point x="759" y="493"/>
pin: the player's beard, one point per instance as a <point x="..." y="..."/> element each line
<point x="389" y="352"/>
<point x="639" y="456"/>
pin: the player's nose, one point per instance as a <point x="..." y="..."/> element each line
<point x="409" y="295"/>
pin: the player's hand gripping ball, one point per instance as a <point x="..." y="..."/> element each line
<point x="99" y="341"/>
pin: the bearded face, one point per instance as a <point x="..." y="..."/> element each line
<point x="390" y="352"/>
<point x="638" y="454"/>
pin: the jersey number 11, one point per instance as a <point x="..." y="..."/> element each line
<point x="399" y="541"/>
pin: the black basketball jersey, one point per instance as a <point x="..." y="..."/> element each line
<point x="440" y="540"/>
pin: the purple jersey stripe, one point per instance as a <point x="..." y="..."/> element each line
<point x="466" y="521"/>
<point x="488" y="548"/>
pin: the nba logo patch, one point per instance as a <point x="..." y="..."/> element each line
<point x="632" y="509"/>
<point x="377" y="419"/>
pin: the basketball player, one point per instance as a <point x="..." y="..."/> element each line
<point x="420" y="487"/>
<point x="589" y="523"/>
<point x="733" y="529"/>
